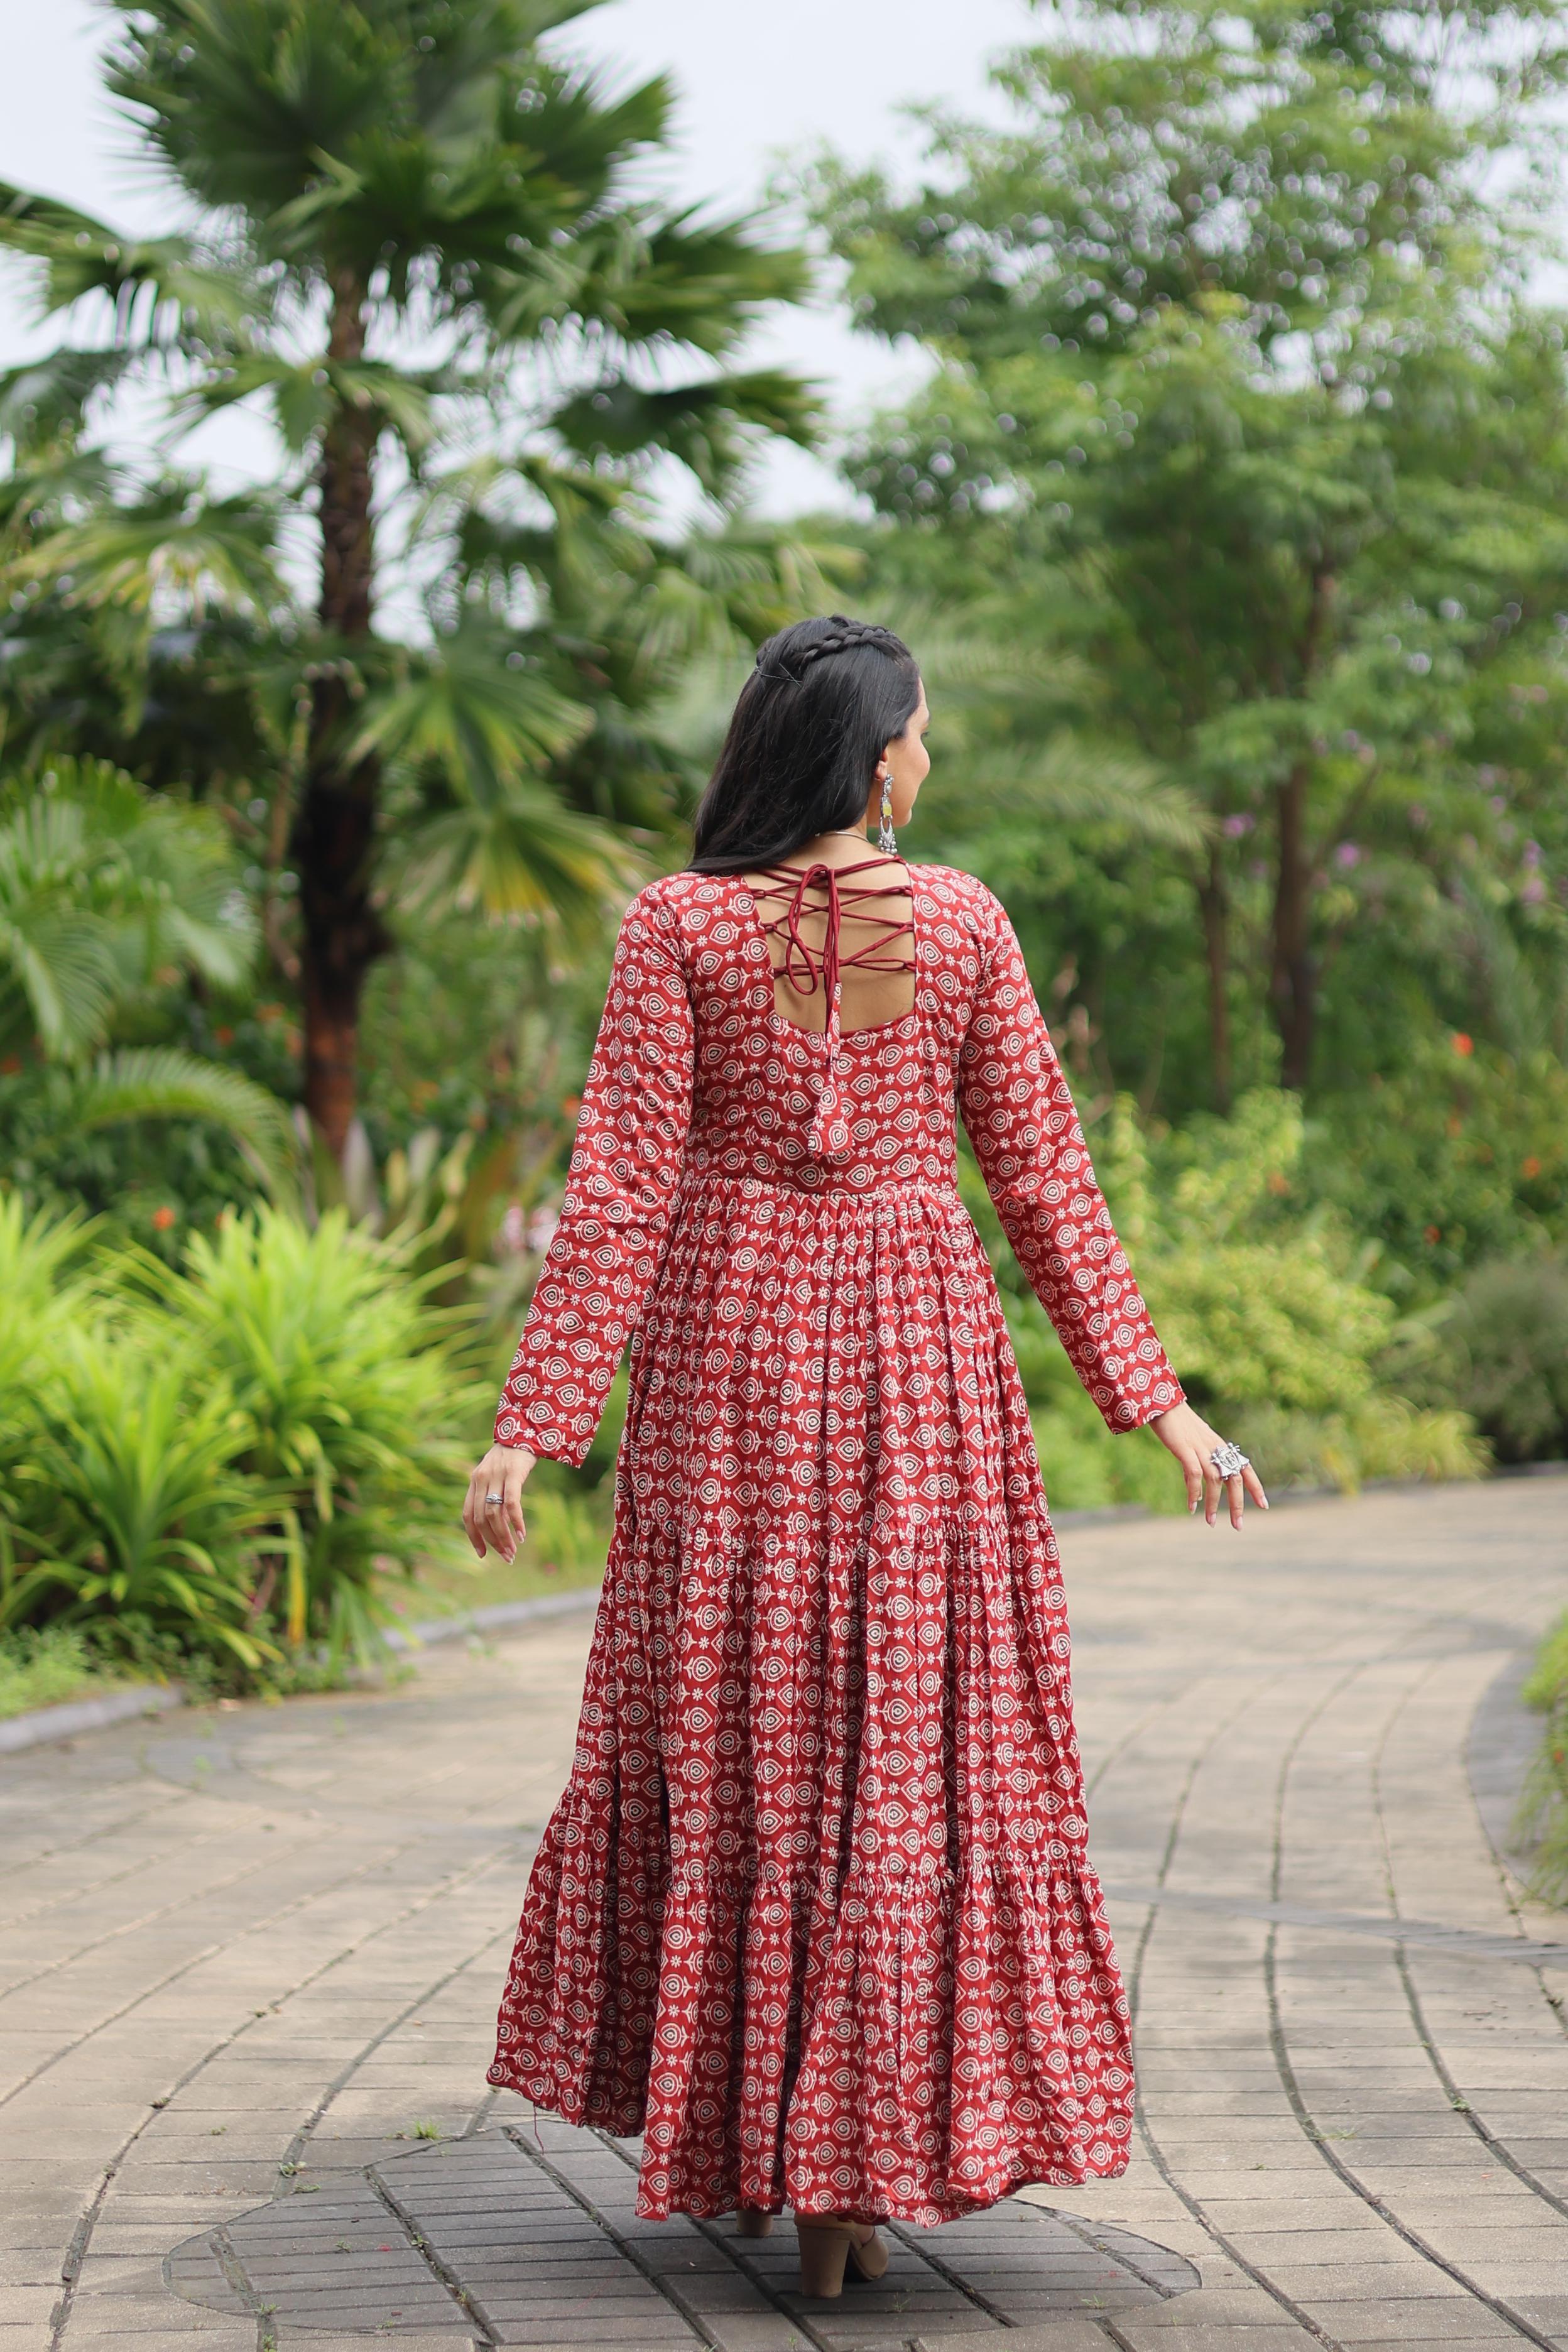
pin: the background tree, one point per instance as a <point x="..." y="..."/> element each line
<point x="417" y="243"/>
<point x="1239" y="392"/>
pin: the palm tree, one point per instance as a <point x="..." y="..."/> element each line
<point x="419" y="243"/>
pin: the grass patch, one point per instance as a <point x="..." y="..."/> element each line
<point x="50" y="1666"/>
<point x="1542" y="1822"/>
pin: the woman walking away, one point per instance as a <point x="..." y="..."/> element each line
<point x="815" y="1914"/>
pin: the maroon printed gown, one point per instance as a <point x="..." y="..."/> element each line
<point x="815" y="1913"/>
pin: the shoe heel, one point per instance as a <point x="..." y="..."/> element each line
<point x="752" y="2222"/>
<point x="868" y="2257"/>
<point x="824" y="2250"/>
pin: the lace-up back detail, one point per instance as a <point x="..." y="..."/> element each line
<point x="839" y="941"/>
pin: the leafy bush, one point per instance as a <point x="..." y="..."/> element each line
<point x="1459" y="1157"/>
<point x="132" y="1513"/>
<point x="1263" y="1304"/>
<point x="221" y="1465"/>
<point x="110" y="894"/>
<point x="1500" y="1348"/>
<point x="354" y="1401"/>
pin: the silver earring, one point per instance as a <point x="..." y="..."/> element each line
<point x="886" y="839"/>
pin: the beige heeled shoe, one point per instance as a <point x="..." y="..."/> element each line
<point x="831" y="2250"/>
<point x="752" y="2222"/>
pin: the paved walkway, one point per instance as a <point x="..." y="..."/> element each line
<point x="248" y="1964"/>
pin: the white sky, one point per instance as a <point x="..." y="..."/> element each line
<point x="757" y="82"/>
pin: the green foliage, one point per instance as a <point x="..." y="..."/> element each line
<point x="48" y="1665"/>
<point x="1241" y="423"/>
<point x="111" y="897"/>
<point x="130" y="1513"/>
<point x="1543" y="1810"/>
<point x="1459" y="1155"/>
<point x="224" y="1463"/>
<point x="1255" y="1307"/>
<point x="103" y="887"/>
<point x="1263" y="1304"/>
<point x="1498" y="1347"/>
<point x="354" y="1401"/>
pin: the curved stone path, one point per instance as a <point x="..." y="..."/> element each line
<point x="248" y="1963"/>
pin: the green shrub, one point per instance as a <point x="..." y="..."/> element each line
<point x="1499" y="1349"/>
<point x="131" y="1516"/>
<point x="1460" y="1158"/>
<point x="1264" y="1305"/>
<point x="359" y="1409"/>
<point x="215" y="1470"/>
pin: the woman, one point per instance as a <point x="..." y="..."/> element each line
<point x="815" y="1913"/>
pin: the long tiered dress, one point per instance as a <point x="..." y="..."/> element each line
<point x="815" y="1913"/>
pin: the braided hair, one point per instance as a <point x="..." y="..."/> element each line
<point x="822" y="702"/>
<point x="779" y="659"/>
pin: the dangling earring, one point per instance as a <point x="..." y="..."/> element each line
<point x="886" y="839"/>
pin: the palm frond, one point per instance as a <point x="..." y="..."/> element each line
<point x="160" y="1082"/>
<point x="41" y="398"/>
<point x="1081" y="783"/>
<point x="218" y="551"/>
<point x="713" y="429"/>
<point x="473" y="710"/>
<point x="521" y="853"/>
<point x="81" y="255"/>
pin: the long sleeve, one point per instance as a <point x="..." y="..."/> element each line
<point x="620" y="1190"/>
<point x="1019" y="1115"/>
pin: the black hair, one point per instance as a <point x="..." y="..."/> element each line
<point x="823" y="702"/>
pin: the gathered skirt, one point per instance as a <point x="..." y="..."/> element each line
<point x="815" y="1914"/>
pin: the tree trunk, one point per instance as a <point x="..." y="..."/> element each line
<point x="334" y="830"/>
<point x="1293" y="981"/>
<point x="1214" y="901"/>
<point x="1294" y="973"/>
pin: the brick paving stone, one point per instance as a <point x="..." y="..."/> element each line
<point x="1056" y="2336"/>
<point x="1140" y="2334"/>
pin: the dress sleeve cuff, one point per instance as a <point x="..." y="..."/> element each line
<point x="553" y="1437"/>
<point x="1165" y="1392"/>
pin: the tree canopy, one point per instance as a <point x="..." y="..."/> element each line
<point x="1241" y="391"/>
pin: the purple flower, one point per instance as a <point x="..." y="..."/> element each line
<point x="1239" y="827"/>
<point x="1347" y="855"/>
<point x="1533" y="853"/>
<point x="1535" y="890"/>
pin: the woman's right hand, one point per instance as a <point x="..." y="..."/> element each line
<point x="492" y="1509"/>
<point x="1187" y="1436"/>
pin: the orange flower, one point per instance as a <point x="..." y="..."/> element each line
<point x="163" y="1219"/>
<point x="1434" y="1232"/>
<point x="1531" y="1166"/>
<point x="1463" y="1043"/>
<point x="571" y="1105"/>
<point x="223" y="1036"/>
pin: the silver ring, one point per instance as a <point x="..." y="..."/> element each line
<point x="495" y="1499"/>
<point x="1228" y="1460"/>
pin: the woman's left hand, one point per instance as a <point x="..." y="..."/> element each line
<point x="493" y="1507"/>
<point x="1187" y="1436"/>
